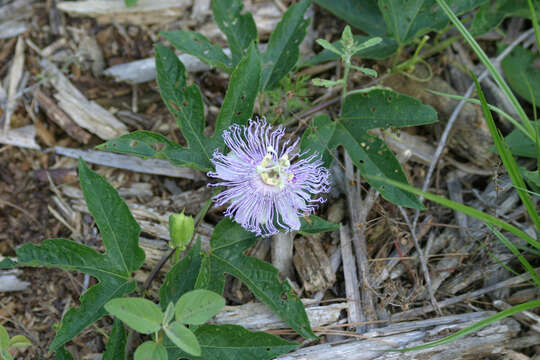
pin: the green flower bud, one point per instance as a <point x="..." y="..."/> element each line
<point x="181" y="228"/>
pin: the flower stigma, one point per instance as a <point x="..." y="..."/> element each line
<point x="272" y="172"/>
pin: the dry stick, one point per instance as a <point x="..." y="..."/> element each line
<point x="354" y="310"/>
<point x="359" y="209"/>
<point x="423" y="262"/>
<point x="56" y="114"/>
<point x="15" y="75"/>
<point x="419" y="311"/>
<point x="282" y="253"/>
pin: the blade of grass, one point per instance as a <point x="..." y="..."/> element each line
<point x="497" y="260"/>
<point x="531" y="94"/>
<point x="489" y="66"/>
<point x="526" y="264"/>
<point x="480" y="324"/>
<point x="528" y="249"/>
<point x="508" y="160"/>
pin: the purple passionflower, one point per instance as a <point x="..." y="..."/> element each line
<point x="269" y="184"/>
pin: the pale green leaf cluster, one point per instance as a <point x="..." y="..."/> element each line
<point x="193" y="308"/>
<point x="7" y="343"/>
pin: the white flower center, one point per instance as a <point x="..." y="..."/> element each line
<point x="274" y="173"/>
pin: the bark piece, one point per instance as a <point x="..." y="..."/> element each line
<point x="14" y="77"/>
<point x="282" y="253"/>
<point x="313" y="265"/>
<point x="22" y="137"/>
<point x="132" y="163"/>
<point x="487" y="341"/>
<point x="145" y="12"/>
<point x="9" y="280"/>
<point x="352" y="291"/>
<point x="85" y="113"/>
<point x="258" y="316"/>
<point x="11" y="29"/>
<point x="57" y="115"/>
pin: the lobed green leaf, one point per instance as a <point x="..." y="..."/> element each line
<point x="116" y="345"/>
<point x="369" y="153"/>
<point x="283" y="46"/>
<point x="361" y="14"/>
<point x="186" y="105"/>
<point x="120" y="233"/>
<point x="228" y="244"/>
<point x="182" y="277"/>
<point x="523" y="74"/>
<point x="240" y="29"/>
<point x="240" y="97"/>
<point x="234" y="342"/>
<point x="409" y="19"/>
<point x="314" y="225"/>
<point x="383" y="109"/>
<point x="63" y="354"/>
<point x="198" y="45"/>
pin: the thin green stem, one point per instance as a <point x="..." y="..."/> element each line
<point x="397" y="55"/>
<point x="429" y="52"/>
<point x="345" y="80"/>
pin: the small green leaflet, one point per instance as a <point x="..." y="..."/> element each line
<point x="168" y="315"/>
<point x="228" y="244"/>
<point x="4" y="338"/>
<point x="140" y="314"/>
<point x="120" y="233"/>
<point x="234" y="342"/>
<point x="182" y="337"/>
<point x="198" y="306"/>
<point x="186" y="105"/>
<point x="5" y="355"/>
<point x="314" y="225"/>
<point x="150" y="351"/>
